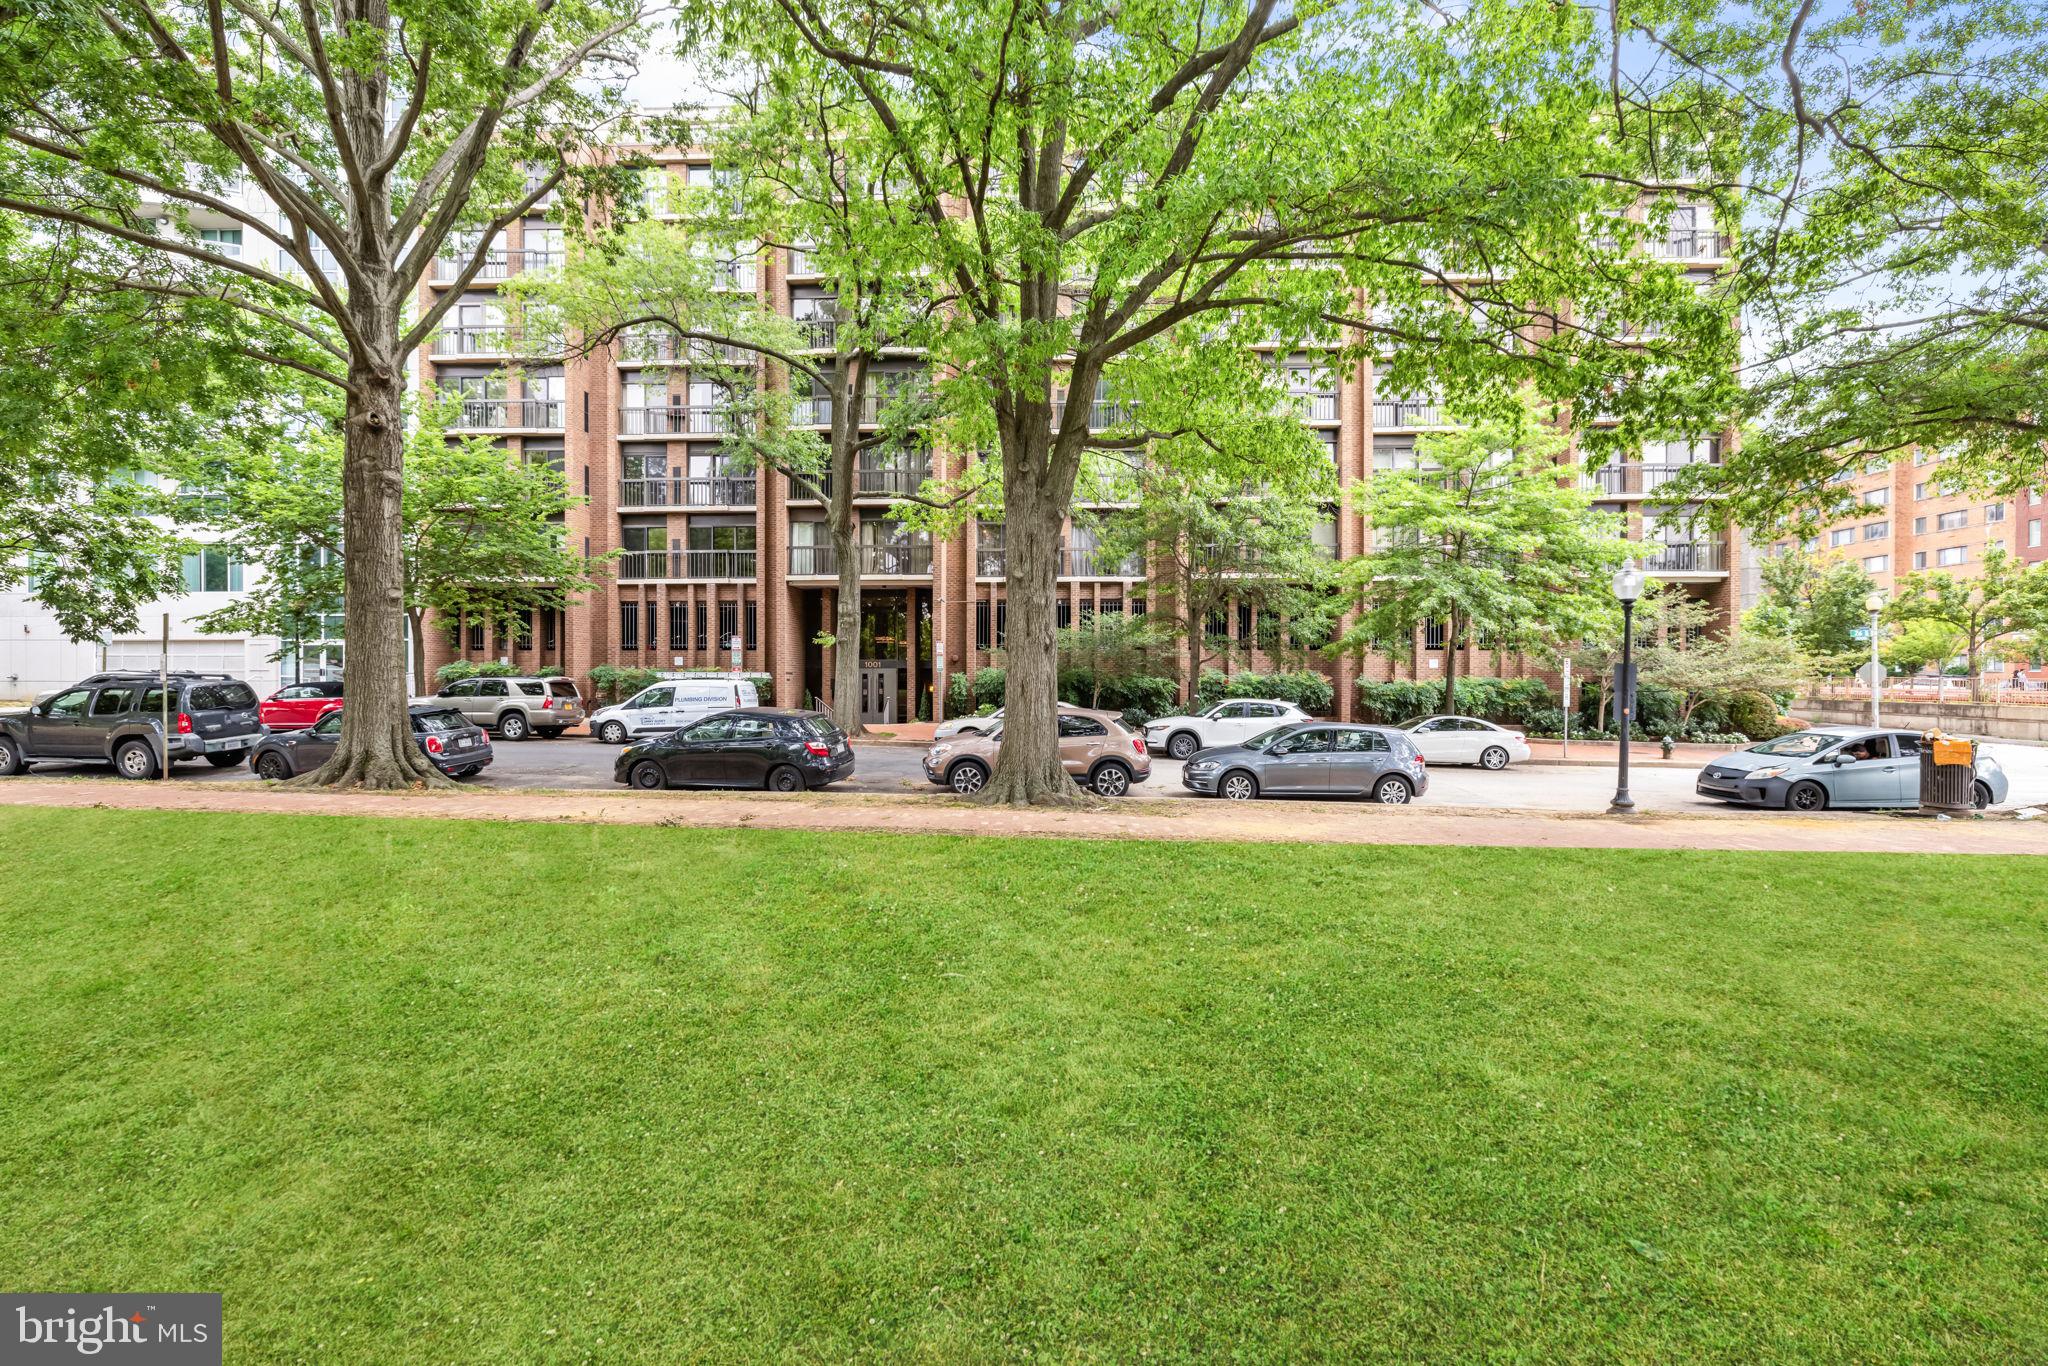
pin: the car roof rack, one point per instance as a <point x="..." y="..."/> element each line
<point x="110" y="675"/>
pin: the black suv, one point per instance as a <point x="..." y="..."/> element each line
<point x="117" y="718"/>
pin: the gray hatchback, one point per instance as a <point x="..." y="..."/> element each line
<point x="1834" y="766"/>
<point x="1312" y="759"/>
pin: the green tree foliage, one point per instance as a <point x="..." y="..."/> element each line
<point x="1919" y="643"/>
<point x="1719" y="667"/>
<point x="1116" y="200"/>
<point x="1815" y="601"/>
<point x="477" y="535"/>
<point x="2007" y="600"/>
<point x="1484" y="535"/>
<point x="383" y="137"/>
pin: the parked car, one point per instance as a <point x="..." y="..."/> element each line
<point x="1315" y="759"/>
<point x="781" y="749"/>
<point x="1095" y="749"/>
<point x="298" y="705"/>
<point x="1834" y="766"/>
<point x="515" y="707"/>
<point x="451" y="741"/>
<point x="117" y="718"/>
<point x="1226" y="723"/>
<point x="982" y="725"/>
<point x="1466" y="740"/>
<point x="662" y="707"/>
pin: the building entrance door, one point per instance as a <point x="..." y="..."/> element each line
<point x="878" y="684"/>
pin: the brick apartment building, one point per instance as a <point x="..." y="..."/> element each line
<point x="709" y="554"/>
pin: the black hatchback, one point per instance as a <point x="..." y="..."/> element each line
<point x="781" y="749"/>
<point x="451" y="741"/>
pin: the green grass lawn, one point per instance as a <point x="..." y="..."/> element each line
<point x="434" y="1091"/>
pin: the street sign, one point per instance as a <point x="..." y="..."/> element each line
<point x="1871" y="674"/>
<point x="1859" y="633"/>
<point x="735" y="653"/>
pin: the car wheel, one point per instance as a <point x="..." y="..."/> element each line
<point x="1238" y="787"/>
<point x="1494" y="758"/>
<point x="612" y="732"/>
<point x="1807" y="797"/>
<point x="1980" y="795"/>
<point x="785" y="779"/>
<point x="1182" y="744"/>
<point x="272" y="766"/>
<point x="967" y="777"/>
<point x="227" y="760"/>
<point x="648" y="777"/>
<point x="1111" y="780"/>
<point x="10" y="760"/>
<point x="136" y="759"/>
<point x="512" y="725"/>
<point x="1392" y="790"/>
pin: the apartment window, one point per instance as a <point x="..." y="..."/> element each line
<point x="226" y="241"/>
<point x="1950" y="555"/>
<point x="703" y="626"/>
<point x="753" y="624"/>
<point x="1810" y="544"/>
<point x="1994" y="547"/>
<point x="1922" y="491"/>
<point x="551" y="456"/>
<point x="1244" y="623"/>
<point x="1063" y="613"/>
<point x="1876" y="564"/>
<point x="1951" y="521"/>
<point x="1002" y="623"/>
<point x="1922" y="457"/>
<point x="1877" y="498"/>
<point x="1919" y="526"/>
<point x="728" y="623"/>
<point x="210" y="570"/>
<point x="525" y="638"/>
<point x="981" y="624"/>
<point x="629" y="626"/>
<point x="550" y="628"/>
<point x="2034" y="532"/>
<point x="1841" y="537"/>
<point x="1919" y="559"/>
<point x="1433" y="634"/>
<point x="1393" y="455"/>
<point x="476" y="635"/>
<point x="1877" y="531"/>
<point x="679" y="626"/>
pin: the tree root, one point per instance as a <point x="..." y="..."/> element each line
<point x="1017" y="788"/>
<point x="370" y="772"/>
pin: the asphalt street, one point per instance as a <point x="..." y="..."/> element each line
<point x="578" y="762"/>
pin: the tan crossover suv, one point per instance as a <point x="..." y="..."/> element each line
<point x="1094" y="747"/>
<point x="515" y="707"/>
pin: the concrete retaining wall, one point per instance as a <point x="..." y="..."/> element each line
<point x="1957" y="718"/>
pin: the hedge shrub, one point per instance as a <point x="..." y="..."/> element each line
<point x="614" y="684"/>
<point x="464" y="668"/>
<point x="1510" y="701"/>
<point x="1304" y="688"/>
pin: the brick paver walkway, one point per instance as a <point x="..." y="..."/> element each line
<point x="1271" y="821"/>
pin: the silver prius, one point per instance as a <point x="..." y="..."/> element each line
<point x="1834" y="766"/>
<point x="1312" y="759"/>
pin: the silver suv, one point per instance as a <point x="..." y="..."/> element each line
<point x="517" y="707"/>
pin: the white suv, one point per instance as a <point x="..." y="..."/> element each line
<point x="1226" y="723"/>
<point x="671" y="705"/>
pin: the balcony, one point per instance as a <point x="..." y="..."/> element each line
<point x="869" y="481"/>
<point x="1630" y="480"/>
<point x="666" y="348"/>
<point x="1102" y="414"/>
<point x="818" y="334"/>
<point x="510" y="415"/>
<point x="1408" y="412"/>
<point x="990" y="562"/>
<point x="1683" y="557"/>
<point x="803" y="261"/>
<point x="492" y="339"/>
<point x="1693" y="246"/>
<point x="679" y="491"/>
<point x="675" y="419"/>
<point x="879" y="561"/>
<point x="499" y="264"/>
<point x="1078" y="562"/>
<point x="679" y="565"/>
<point x="1315" y="407"/>
<point x="816" y="410"/>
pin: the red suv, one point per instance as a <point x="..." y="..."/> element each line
<point x="299" y="705"/>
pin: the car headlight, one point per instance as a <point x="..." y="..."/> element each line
<point x="1203" y="766"/>
<point x="940" y="751"/>
<point x="1774" y="771"/>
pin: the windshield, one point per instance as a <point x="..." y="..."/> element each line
<point x="994" y="732"/>
<point x="438" y="722"/>
<point x="1260" y="741"/>
<point x="1411" y="723"/>
<point x="1799" y="745"/>
<point x="824" y="728"/>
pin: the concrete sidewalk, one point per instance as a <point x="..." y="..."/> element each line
<point x="1257" y="822"/>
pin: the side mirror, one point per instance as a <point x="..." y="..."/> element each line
<point x="445" y="692"/>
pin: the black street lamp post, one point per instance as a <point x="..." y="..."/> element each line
<point x="1628" y="586"/>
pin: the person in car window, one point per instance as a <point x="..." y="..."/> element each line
<point x="1858" y="752"/>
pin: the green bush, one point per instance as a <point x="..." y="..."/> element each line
<point x="1305" y="688"/>
<point x="548" y="671"/>
<point x="614" y="684"/>
<point x="1388" y="703"/>
<point x="463" y="668"/>
<point x="1753" y="714"/>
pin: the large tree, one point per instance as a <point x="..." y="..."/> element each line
<point x="480" y="536"/>
<point x="2004" y="602"/>
<point x="1103" y="187"/>
<point x="1486" y="533"/>
<point x="372" y="138"/>
<point x="1817" y="602"/>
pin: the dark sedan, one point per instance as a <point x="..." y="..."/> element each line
<point x="451" y="742"/>
<point x="781" y="749"/>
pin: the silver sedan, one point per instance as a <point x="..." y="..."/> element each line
<point x="1312" y="759"/>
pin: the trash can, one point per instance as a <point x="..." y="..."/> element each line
<point x="1948" y="774"/>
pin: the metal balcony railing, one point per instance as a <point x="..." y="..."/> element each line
<point x="686" y="564"/>
<point x="1102" y="413"/>
<point x="499" y="264"/>
<point x="1317" y="407"/>
<point x="1624" y="480"/>
<point x="510" y="414"/>
<point x="679" y="491"/>
<point x="492" y="339"/>
<point x="869" y="481"/>
<point x="913" y="560"/>
<point x="818" y="334"/>
<point x="1081" y="563"/>
<point x="816" y="411"/>
<point x="1693" y="246"/>
<point x="1683" y="557"/>
<point x="675" y="419"/>
<point x="1408" y="412"/>
<point x="990" y="563"/>
<point x="802" y="261"/>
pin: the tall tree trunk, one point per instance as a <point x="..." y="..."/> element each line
<point x="1028" y="770"/>
<point x="1970" y="663"/>
<point x="376" y="748"/>
<point x="846" y="661"/>
<point x="1450" y="707"/>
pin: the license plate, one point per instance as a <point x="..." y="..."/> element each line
<point x="240" y="742"/>
<point x="465" y="741"/>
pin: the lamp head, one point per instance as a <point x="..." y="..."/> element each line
<point x="1873" y="603"/>
<point x="1628" y="582"/>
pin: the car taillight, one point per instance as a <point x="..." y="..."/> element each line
<point x="1512" y="735"/>
<point x="546" y="702"/>
<point x="823" y="751"/>
<point x="184" y="724"/>
<point x="1137" y="744"/>
<point x="433" y="744"/>
<point x="1420" y="757"/>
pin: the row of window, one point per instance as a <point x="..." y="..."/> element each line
<point x="734" y="619"/>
